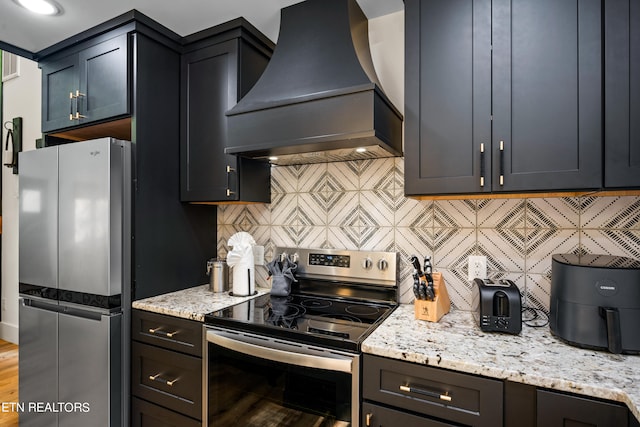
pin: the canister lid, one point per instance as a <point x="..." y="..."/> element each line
<point x="601" y="261"/>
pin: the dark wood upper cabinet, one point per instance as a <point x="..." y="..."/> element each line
<point x="87" y="86"/>
<point x="217" y="71"/>
<point x="622" y="93"/>
<point x="503" y="96"/>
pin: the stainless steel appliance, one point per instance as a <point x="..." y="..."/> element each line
<point x="74" y="268"/>
<point x="295" y="360"/>
<point x="497" y="306"/>
<point x="595" y="301"/>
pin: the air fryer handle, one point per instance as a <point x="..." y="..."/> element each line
<point x="614" y="335"/>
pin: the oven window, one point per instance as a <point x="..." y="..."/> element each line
<point x="248" y="391"/>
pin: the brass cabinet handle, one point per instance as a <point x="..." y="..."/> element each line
<point x="159" y="331"/>
<point x="368" y="418"/>
<point x="442" y="396"/>
<point x="482" y="170"/>
<point x="501" y="162"/>
<point x="157" y="378"/>
<point x="229" y="170"/>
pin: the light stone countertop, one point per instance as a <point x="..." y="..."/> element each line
<point x="192" y="303"/>
<point x="534" y="357"/>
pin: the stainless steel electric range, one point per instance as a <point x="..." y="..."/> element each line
<point x="295" y="359"/>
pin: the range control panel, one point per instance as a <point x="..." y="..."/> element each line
<point x="380" y="268"/>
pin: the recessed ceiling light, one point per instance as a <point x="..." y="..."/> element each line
<point x="273" y="158"/>
<point x="41" y="7"/>
<point x="361" y="150"/>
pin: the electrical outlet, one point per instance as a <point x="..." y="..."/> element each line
<point x="4" y="304"/>
<point x="258" y="255"/>
<point x="477" y="267"/>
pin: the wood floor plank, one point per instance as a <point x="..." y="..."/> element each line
<point x="8" y="383"/>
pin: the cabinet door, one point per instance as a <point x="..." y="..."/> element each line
<point x="622" y="94"/>
<point x="209" y="89"/>
<point x="447" y="96"/>
<point x="59" y="81"/>
<point x="559" y="410"/>
<point x="381" y="416"/>
<point x="547" y="95"/>
<point x="104" y="80"/>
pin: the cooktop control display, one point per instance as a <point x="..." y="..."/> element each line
<point x="330" y="260"/>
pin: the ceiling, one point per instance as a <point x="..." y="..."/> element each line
<point x="25" y="33"/>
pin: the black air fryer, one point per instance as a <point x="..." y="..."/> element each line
<point x="595" y="302"/>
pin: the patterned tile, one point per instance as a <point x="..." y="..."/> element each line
<point x="312" y="178"/>
<point x="612" y="242"/>
<point x="343" y="237"/>
<point x="342" y="176"/>
<point x="377" y="239"/>
<point x="220" y="214"/>
<point x="501" y="213"/>
<point x="459" y="288"/>
<point x="555" y="213"/>
<point x="398" y="173"/>
<point x="284" y="179"/>
<point x="343" y="210"/>
<point x="455" y="213"/>
<point x="538" y="292"/>
<point x="312" y="208"/>
<point x="504" y="249"/>
<point x="376" y="208"/>
<point x="541" y="244"/>
<point x="312" y="236"/>
<point x="610" y="212"/>
<point x="452" y="247"/>
<point x="413" y="213"/>
<point x="284" y="210"/>
<point x="405" y="290"/>
<point x="377" y="174"/>
<point x="284" y="235"/>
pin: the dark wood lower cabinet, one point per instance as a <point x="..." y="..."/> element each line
<point x="145" y="414"/>
<point x="381" y="416"/>
<point x="562" y="410"/>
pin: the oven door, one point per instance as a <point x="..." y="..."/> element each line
<point x="257" y="381"/>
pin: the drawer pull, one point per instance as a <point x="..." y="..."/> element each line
<point x="158" y="331"/>
<point x="157" y="378"/>
<point x="368" y="419"/>
<point x="440" y="396"/>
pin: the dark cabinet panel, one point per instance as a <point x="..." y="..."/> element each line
<point x="547" y="95"/>
<point x="169" y="332"/>
<point x="381" y="416"/>
<point x="560" y="410"/>
<point x="214" y="77"/>
<point x="622" y="93"/>
<point x="451" y="396"/>
<point x="503" y="96"/>
<point x="447" y="96"/>
<point x="86" y="86"/>
<point x="145" y="414"/>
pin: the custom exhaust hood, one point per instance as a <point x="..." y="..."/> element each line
<point x="319" y="99"/>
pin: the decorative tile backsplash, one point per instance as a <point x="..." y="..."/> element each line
<point x="361" y="205"/>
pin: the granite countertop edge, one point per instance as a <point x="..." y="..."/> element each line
<point x="534" y="357"/>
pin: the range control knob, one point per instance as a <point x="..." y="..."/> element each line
<point x="383" y="264"/>
<point x="367" y="263"/>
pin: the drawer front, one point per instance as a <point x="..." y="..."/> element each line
<point x="166" y="331"/>
<point x="558" y="410"/>
<point x="380" y="416"/>
<point x="452" y="396"/>
<point x="145" y="414"/>
<point x="168" y="378"/>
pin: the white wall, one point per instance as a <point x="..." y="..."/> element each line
<point x="21" y="98"/>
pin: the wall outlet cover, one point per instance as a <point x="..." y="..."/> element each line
<point x="258" y="255"/>
<point x="477" y="267"/>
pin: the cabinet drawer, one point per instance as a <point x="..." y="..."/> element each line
<point x="380" y="416"/>
<point x="167" y="331"/>
<point x="145" y="414"/>
<point x="558" y="410"/>
<point x="456" y="397"/>
<point x="168" y="378"/>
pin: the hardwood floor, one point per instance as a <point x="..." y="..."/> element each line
<point x="8" y="383"/>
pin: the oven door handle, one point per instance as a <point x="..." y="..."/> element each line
<point x="284" y="353"/>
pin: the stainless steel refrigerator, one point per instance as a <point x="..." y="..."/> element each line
<point x="75" y="278"/>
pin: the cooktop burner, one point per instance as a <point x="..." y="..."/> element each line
<point x="322" y="310"/>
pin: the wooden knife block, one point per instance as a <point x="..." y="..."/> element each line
<point x="433" y="311"/>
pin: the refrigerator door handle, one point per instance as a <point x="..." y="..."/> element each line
<point x="39" y="304"/>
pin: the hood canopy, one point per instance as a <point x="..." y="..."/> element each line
<point x="319" y="98"/>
